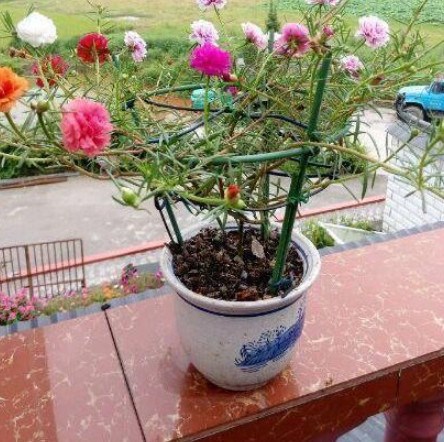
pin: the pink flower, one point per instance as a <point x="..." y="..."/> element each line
<point x="254" y="34"/>
<point x="323" y="2"/>
<point x="136" y="44"/>
<point x="351" y="64"/>
<point x="86" y="127"/>
<point x="211" y="60"/>
<point x="374" y="30"/>
<point x="205" y="4"/>
<point x="294" y="40"/>
<point x="203" y="32"/>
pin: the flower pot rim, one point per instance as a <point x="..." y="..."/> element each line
<point x="312" y="264"/>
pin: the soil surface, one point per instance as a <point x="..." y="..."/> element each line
<point x="212" y="264"/>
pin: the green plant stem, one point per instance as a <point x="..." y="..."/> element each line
<point x="240" y="245"/>
<point x="186" y="87"/>
<point x="43" y="126"/>
<point x="206" y="107"/>
<point x="265" y="217"/>
<point x="321" y="80"/>
<point x="97" y="69"/>
<point x="14" y="126"/>
<point x="258" y="158"/>
<point x="31" y="160"/>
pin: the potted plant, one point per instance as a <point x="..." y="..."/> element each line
<point x="269" y="126"/>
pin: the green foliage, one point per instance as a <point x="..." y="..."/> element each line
<point x="97" y="294"/>
<point x="362" y="224"/>
<point x="317" y="235"/>
<point x="399" y="10"/>
<point x="287" y="107"/>
<point x="272" y="19"/>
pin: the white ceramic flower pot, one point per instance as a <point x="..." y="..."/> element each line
<point x="241" y="345"/>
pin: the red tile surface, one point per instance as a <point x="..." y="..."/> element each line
<point x="64" y="383"/>
<point x="331" y="414"/>
<point x="373" y="311"/>
<point x="422" y="380"/>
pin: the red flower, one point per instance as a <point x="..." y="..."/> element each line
<point x="53" y="67"/>
<point x="93" y="46"/>
<point x="232" y="193"/>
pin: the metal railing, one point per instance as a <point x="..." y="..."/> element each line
<point x="46" y="269"/>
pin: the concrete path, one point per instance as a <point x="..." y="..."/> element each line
<point x="83" y="208"/>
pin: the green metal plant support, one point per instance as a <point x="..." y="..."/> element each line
<point x="295" y="194"/>
<point x="173" y="221"/>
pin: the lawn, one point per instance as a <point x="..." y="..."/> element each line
<point x="158" y="19"/>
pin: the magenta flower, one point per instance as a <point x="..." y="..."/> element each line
<point x="351" y="64"/>
<point x="211" y="60"/>
<point x="205" y="4"/>
<point x="203" y="32"/>
<point x="86" y="127"/>
<point x="255" y="35"/>
<point x="136" y="44"/>
<point x="294" y="40"/>
<point x="374" y="30"/>
<point x="323" y="2"/>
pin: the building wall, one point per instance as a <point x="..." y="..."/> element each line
<point x="402" y="212"/>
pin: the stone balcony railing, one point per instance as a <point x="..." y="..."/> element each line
<point x="373" y="342"/>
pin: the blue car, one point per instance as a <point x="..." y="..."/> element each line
<point x="423" y="102"/>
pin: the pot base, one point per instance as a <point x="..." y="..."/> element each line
<point x="240" y="346"/>
<point x="237" y="387"/>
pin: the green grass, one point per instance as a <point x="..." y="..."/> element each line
<point x="162" y="18"/>
<point x="317" y="235"/>
<point x="98" y="294"/>
<point x="389" y="10"/>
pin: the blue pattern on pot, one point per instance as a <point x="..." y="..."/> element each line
<point x="271" y="346"/>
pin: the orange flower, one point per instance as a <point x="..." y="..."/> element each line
<point x="12" y="87"/>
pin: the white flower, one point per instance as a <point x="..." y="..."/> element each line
<point x="203" y="32"/>
<point x="136" y="44"/>
<point x="37" y="30"/>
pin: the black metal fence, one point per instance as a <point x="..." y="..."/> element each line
<point x="46" y="269"/>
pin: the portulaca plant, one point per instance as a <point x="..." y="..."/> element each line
<point x="275" y="117"/>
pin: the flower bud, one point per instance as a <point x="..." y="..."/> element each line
<point x="233" y="197"/>
<point x="40" y="106"/>
<point x="129" y="197"/>
<point x="229" y="78"/>
<point x="414" y="133"/>
<point x="328" y="32"/>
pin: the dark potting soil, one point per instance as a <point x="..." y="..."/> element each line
<point x="211" y="264"/>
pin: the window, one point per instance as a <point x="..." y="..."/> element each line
<point x="438" y="87"/>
